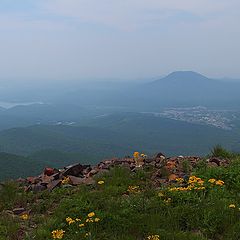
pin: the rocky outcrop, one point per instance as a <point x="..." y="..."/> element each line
<point x="164" y="170"/>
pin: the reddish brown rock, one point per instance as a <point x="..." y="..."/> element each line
<point x="92" y="172"/>
<point x="33" y="180"/>
<point x="49" y="171"/>
<point x="76" y="180"/>
<point x="88" y="181"/>
<point x="53" y="184"/>
<point x="37" y="188"/>
<point x="46" y="179"/>
<point x="172" y="177"/>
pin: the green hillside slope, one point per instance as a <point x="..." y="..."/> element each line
<point x="128" y="205"/>
<point x="14" y="166"/>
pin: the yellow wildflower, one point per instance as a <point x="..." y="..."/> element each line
<point x="70" y="220"/>
<point x="133" y="189"/>
<point x="81" y="225"/>
<point x="91" y="214"/>
<point x="161" y="194"/>
<point x="25" y="216"/>
<point x="168" y="200"/>
<point x="180" y="180"/>
<point x="212" y="180"/>
<point x="101" y="182"/>
<point x="194" y="179"/>
<point x="58" y="234"/>
<point x="200" y="182"/>
<point x="219" y="182"/>
<point x="97" y="219"/>
<point x="87" y="234"/>
<point x="199" y="188"/>
<point x="78" y="220"/>
<point x="153" y="237"/>
<point x="89" y="220"/>
<point x="136" y="154"/>
<point x="232" y="206"/>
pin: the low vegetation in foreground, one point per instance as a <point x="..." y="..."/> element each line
<point x="125" y="205"/>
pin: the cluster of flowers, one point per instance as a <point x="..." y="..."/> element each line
<point x="91" y="218"/>
<point x="58" y="234"/>
<point x="137" y="155"/>
<point x="65" y="180"/>
<point x="139" y="158"/>
<point x="25" y="216"/>
<point x="134" y="189"/>
<point x="195" y="183"/>
<point x="153" y="237"/>
<point x="216" y="182"/>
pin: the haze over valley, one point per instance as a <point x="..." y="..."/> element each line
<point x="182" y="113"/>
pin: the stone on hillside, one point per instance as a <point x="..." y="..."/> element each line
<point x="33" y="180"/>
<point x="86" y="170"/>
<point x="171" y="164"/>
<point x="126" y="165"/>
<point x="18" y="211"/>
<point x="149" y="160"/>
<point x="172" y="177"/>
<point x="74" y="170"/>
<point x="88" y="181"/>
<point x="212" y="164"/>
<point x="104" y="166"/>
<point x="53" y="184"/>
<point x="46" y="179"/>
<point x="218" y="161"/>
<point x="67" y="186"/>
<point x="76" y="180"/>
<point x="92" y="172"/>
<point x="160" y="155"/>
<point x="37" y="188"/>
<point x="50" y="171"/>
<point x="56" y="176"/>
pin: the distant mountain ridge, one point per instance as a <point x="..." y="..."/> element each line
<point x="183" y="88"/>
<point x="182" y="76"/>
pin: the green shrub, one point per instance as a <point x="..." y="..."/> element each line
<point x="219" y="151"/>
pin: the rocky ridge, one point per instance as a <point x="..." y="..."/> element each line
<point x="164" y="171"/>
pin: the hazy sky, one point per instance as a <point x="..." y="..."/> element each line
<point x="77" y="39"/>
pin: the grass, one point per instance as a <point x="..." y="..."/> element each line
<point x="219" y="151"/>
<point x="173" y="215"/>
